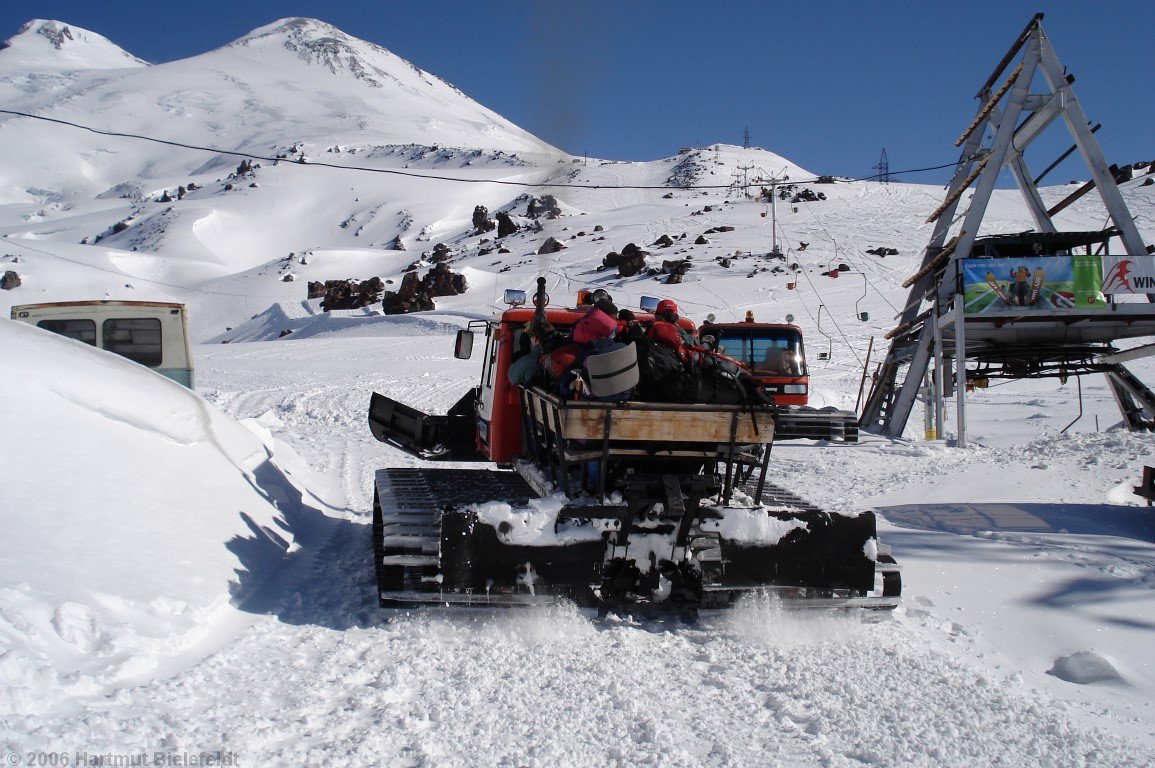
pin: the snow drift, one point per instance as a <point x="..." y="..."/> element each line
<point x="141" y="516"/>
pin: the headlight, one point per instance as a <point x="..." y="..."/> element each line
<point x="794" y="389"/>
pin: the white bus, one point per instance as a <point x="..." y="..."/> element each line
<point x="152" y="333"/>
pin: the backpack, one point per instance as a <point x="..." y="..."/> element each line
<point x="663" y="377"/>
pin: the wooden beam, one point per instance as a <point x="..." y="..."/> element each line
<point x="1114" y="169"/>
<point x="992" y="102"/>
<point x="1062" y="157"/>
<point x="936" y="262"/>
<point x="907" y="326"/>
<point x="953" y="196"/>
<point x="1022" y="39"/>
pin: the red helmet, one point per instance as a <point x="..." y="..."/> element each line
<point x="666" y="305"/>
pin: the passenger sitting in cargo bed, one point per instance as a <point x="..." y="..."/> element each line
<point x="677" y="369"/>
<point x="666" y="331"/>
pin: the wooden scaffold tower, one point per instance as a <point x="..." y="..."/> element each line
<point x="1033" y="304"/>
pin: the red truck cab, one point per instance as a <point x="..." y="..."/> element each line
<point x="773" y="353"/>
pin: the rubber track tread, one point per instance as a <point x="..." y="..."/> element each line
<point x="408" y="509"/>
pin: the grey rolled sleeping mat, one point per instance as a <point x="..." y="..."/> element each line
<point x="613" y="373"/>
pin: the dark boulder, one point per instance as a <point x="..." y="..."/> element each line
<point x="9" y="281"/>
<point x="441" y="281"/>
<point x="505" y="225"/>
<point x="631" y="265"/>
<point x="348" y="294"/>
<point x="410" y="297"/>
<point x="551" y="245"/>
<point x="481" y="221"/>
<point x="546" y="206"/>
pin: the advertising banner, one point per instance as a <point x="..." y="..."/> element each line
<point x="1038" y="283"/>
<point x="1129" y="274"/>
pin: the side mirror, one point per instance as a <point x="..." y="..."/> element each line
<point x="463" y="347"/>
<point x="648" y="304"/>
<point x="514" y="297"/>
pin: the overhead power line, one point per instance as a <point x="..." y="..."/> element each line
<point x="430" y="176"/>
<point x="135" y="278"/>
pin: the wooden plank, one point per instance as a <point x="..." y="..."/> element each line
<point x="990" y="105"/>
<point x="1015" y="48"/>
<point x="685" y="426"/>
<point x="974" y="174"/>
<point x="659" y="422"/>
<point x="1115" y="174"/>
<point x="936" y="262"/>
<point x="619" y="452"/>
<point x="907" y="326"/>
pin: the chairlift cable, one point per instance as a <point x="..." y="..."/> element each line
<point x="126" y="276"/>
<point x="823" y="304"/>
<point x="837" y="327"/>
<point x="830" y="236"/>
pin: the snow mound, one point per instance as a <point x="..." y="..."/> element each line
<point x="1083" y="668"/>
<point x="143" y="517"/>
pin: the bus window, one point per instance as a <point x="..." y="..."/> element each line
<point x="81" y="330"/>
<point x="137" y="338"/>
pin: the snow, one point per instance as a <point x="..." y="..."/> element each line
<point x="752" y="526"/>
<point x="1084" y="667"/>
<point x="136" y="517"/>
<point x="533" y="526"/>
<point x="190" y="572"/>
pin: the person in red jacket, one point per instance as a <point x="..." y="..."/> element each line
<point x="666" y="331"/>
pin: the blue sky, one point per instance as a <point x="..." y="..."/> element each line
<point x="825" y="84"/>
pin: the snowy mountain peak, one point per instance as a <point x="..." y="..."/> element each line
<point x="45" y="43"/>
<point x="318" y="43"/>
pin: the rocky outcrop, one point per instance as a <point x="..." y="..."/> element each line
<point x="416" y="293"/>
<point x="481" y="221"/>
<point x="410" y="297"/>
<point x="632" y="261"/>
<point x="442" y="281"/>
<point x="346" y="294"/>
<point x="545" y="206"/>
<point x="552" y="245"/>
<point x="9" y="281"/>
<point x="505" y="225"/>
